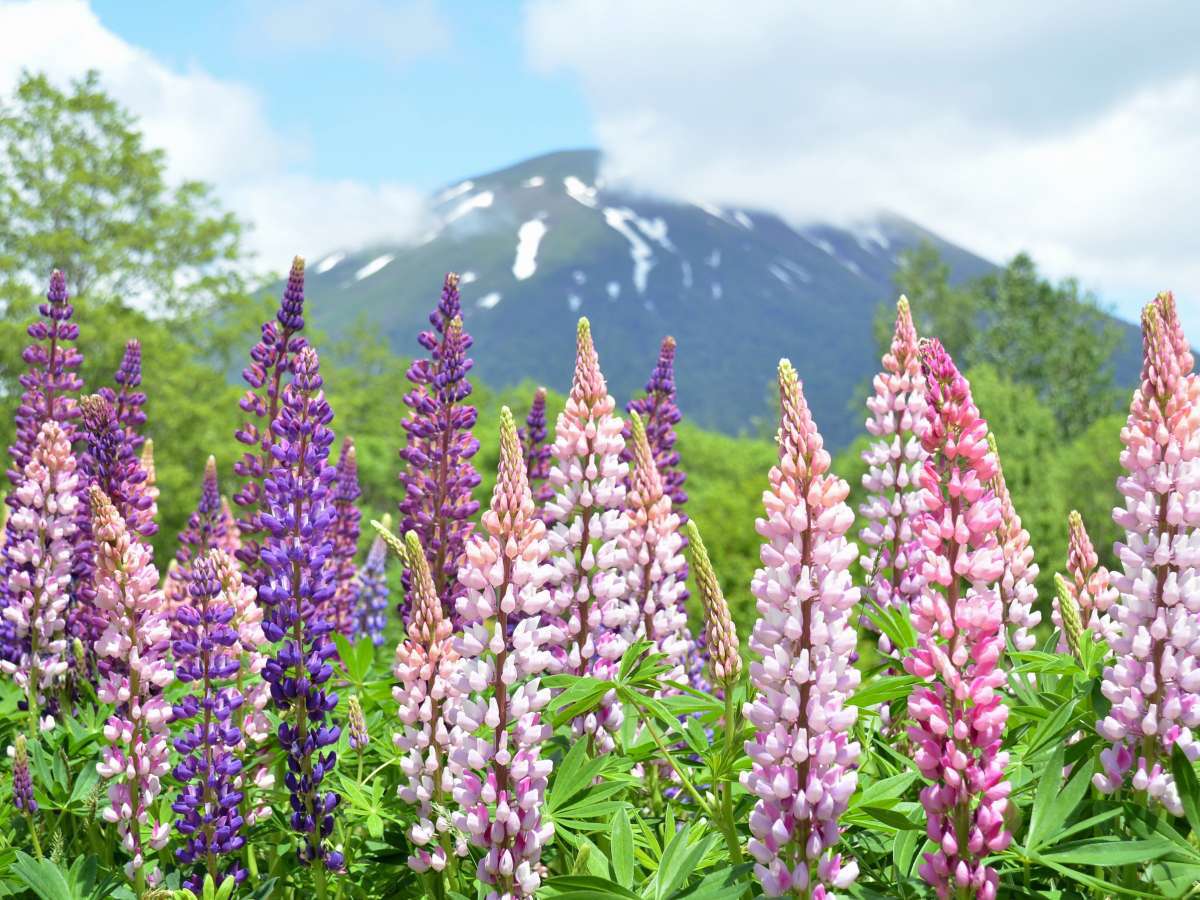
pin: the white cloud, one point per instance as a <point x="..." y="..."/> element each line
<point x="1071" y="130"/>
<point x="397" y="32"/>
<point x="211" y="129"/>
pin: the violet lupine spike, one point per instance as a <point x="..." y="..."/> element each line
<point x="135" y="638"/>
<point x="346" y="526"/>
<point x="127" y="401"/>
<point x="1089" y="584"/>
<point x="438" y="476"/>
<point x="1154" y="678"/>
<point x="22" y="783"/>
<point x="660" y="413"/>
<point x="41" y="531"/>
<point x="112" y="465"/>
<point x="373" y="595"/>
<point x="1018" y="588"/>
<point x="501" y="786"/>
<point x="725" y="658"/>
<point x="585" y="519"/>
<point x="204" y="532"/>
<point x="298" y="583"/>
<point x="427" y="693"/>
<point x="652" y="547"/>
<point x="957" y="712"/>
<point x="51" y="385"/>
<point x="271" y="359"/>
<point x="803" y="759"/>
<point x="208" y="655"/>
<point x="537" y="451"/>
<point x="894" y="461"/>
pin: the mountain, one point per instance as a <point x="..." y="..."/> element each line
<point x="543" y="242"/>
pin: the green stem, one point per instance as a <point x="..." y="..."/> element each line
<point x="687" y="784"/>
<point x="33" y="836"/>
<point x="319" y="879"/>
<point x="729" y="828"/>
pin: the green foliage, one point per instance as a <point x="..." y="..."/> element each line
<point x="80" y="191"/>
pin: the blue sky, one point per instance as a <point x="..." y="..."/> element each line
<point x="1068" y="130"/>
<point x="465" y="104"/>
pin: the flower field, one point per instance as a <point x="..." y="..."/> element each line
<point x="545" y="693"/>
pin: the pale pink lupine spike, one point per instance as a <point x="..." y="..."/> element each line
<point x="1153" y="681"/>
<point x="957" y="712"/>
<point x="1018" y="588"/>
<point x="585" y="519"/>
<point x="131" y="652"/>
<point x="512" y="502"/>
<point x="803" y="759"/>
<point x="427" y="621"/>
<point x="1088" y="583"/>
<point x="645" y="478"/>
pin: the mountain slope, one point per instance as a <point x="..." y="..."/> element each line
<point x="541" y="243"/>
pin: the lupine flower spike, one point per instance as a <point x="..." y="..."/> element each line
<point x="1089" y="583"/>
<point x="427" y="694"/>
<point x="296" y="591"/>
<point x="537" y="451"/>
<point x="502" y="788"/>
<point x="22" y="788"/>
<point x="345" y="539"/>
<point x="1072" y="626"/>
<point x="205" y="531"/>
<point x="271" y="360"/>
<point x="894" y="461"/>
<point x="438" y="476"/>
<point x="585" y="519"/>
<point x="112" y="464"/>
<point x="51" y="387"/>
<point x="725" y="658"/>
<point x="660" y="414"/>
<point x="372" y="590"/>
<point x="957" y="712"/>
<point x="41" y="531"/>
<point x="135" y="639"/>
<point x="1018" y="591"/>
<point x="1154" y="679"/>
<point x="803" y="759"/>
<point x="207" y="651"/>
<point x="127" y="401"/>
<point x="652" y="546"/>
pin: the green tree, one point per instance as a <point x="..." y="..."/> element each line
<point x="81" y="192"/>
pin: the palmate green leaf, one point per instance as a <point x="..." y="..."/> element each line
<point x="1050" y="728"/>
<point x="723" y="884"/>
<point x="1107" y="888"/>
<point x="1111" y="853"/>
<point x="584" y="887"/>
<point x="904" y="848"/>
<point x="43" y="877"/>
<point x="581" y="697"/>
<point x="1047" y="790"/>
<point x="679" y="860"/>
<point x="878" y="793"/>
<point x="1187" y="785"/>
<point x="893" y="818"/>
<point x="85" y="783"/>
<point x="884" y="690"/>
<point x="621" y="847"/>
<point x="895" y="625"/>
<point x="1046" y="824"/>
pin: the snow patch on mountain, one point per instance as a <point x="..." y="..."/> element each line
<point x="457" y="191"/>
<point x="580" y="192"/>
<point x="482" y="200"/>
<point x="488" y="301"/>
<point x="373" y="266"/>
<point x="329" y="262"/>
<point x="643" y="257"/>
<point x="614" y="290"/>
<point x="467" y="278"/>
<point x="535" y="182"/>
<point x="529" y="236"/>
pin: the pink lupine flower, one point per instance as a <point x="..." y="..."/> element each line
<point x="1018" y="591"/>
<point x="150" y="486"/>
<point x="501" y="787"/>
<point x="894" y="463"/>
<point x="957" y="713"/>
<point x="803" y="758"/>
<point x="136" y="632"/>
<point x="41" y="535"/>
<point x="652" y="550"/>
<point x="1089" y="583"/>
<point x="585" y="518"/>
<point x="1154" y="679"/>
<point x="427" y="693"/>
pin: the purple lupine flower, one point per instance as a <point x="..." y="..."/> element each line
<point x="346" y="520"/>
<point x="270" y="359"/>
<point x="957" y="712"/>
<point x="373" y="589"/>
<point x="802" y="754"/>
<point x="357" y="724"/>
<point x="51" y="385"/>
<point x="41" y="530"/>
<point x="1153" y="679"/>
<point x="299" y="581"/>
<point x="127" y="401"/>
<point x="112" y="465"/>
<point x="205" y="531"/>
<point x="438" y="476"/>
<point x="660" y="414"/>
<point x="502" y="786"/>
<point x="208" y="658"/>
<point x="22" y="783"/>
<point x="537" y="451"/>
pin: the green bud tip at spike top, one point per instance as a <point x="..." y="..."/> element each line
<point x="1069" y="610"/>
<point x="395" y="544"/>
